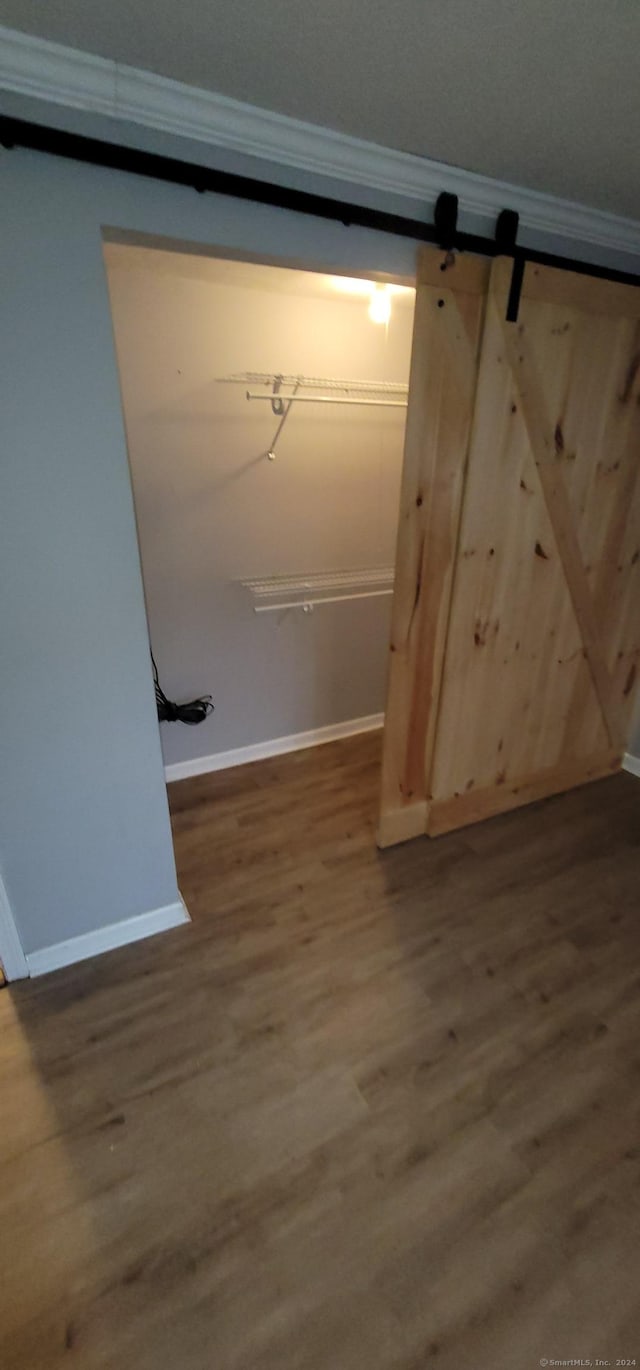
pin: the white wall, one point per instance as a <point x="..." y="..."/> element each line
<point x="84" y="833"/>
<point x="212" y="511"/>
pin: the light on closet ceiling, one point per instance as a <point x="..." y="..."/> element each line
<point x="380" y="304"/>
<point x="350" y="285"/>
<point x="379" y="295"/>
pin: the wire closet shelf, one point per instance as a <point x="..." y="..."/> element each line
<point x="273" y="594"/>
<point x="325" y="390"/>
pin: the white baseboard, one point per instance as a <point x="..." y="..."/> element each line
<point x="631" y="763"/>
<point x="13" y="959"/>
<point x="108" y="938"/>
<point x="276" y="746"/>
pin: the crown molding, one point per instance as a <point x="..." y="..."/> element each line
<point x="78" y="80"/>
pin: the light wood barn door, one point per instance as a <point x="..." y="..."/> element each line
<point x="543" y="618"/>
<point x="450" y="302"/>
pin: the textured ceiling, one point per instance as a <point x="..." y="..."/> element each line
<point x="544" y="93"/>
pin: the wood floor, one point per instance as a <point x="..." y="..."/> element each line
<point x="371" y="1111"/>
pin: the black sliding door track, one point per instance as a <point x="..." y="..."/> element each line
<point x="95" y="151"/>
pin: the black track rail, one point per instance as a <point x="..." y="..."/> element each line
<point x="99" y="152"/>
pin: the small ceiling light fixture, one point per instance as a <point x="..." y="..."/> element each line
<point x="380" y="304"/>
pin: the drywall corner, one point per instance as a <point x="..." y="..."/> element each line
<point x="13" y="959"/>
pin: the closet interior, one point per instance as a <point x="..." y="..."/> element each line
<point x="265" y="410"/>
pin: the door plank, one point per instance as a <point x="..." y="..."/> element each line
<point x="585" y="293"/>
<point x="514" y="647"/>
<point x="447" y="330"/>
<point x="609" y="517"/>
<point x="523" y="366"/>
<point x="463" y="809"/>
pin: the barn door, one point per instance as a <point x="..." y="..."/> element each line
<point x="543" y="631"/>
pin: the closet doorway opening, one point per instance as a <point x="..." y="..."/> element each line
<point x="265" y="411"/>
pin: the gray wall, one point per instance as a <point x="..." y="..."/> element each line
<point x="84" y="833"/>
<point x="83" y="819"/>
<point x="212" y="511"/>
<point x="84" y="836"/>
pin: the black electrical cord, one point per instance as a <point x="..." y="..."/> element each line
<point x="194" y="712"/>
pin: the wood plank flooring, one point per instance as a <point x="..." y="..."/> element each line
<point x="371" y="1111"/>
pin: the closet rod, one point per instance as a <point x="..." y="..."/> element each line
<point x="307" y="604"/>
<point x="326" y="399"/>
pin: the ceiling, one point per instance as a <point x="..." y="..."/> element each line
<point x="244" y="275"/>
<point x="542" y="93"/>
